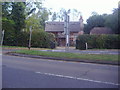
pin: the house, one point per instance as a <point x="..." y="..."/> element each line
<point x="101" y="30"/>
<point x="57" y="28"/>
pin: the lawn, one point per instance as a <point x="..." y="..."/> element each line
<point x="70" y="55"/>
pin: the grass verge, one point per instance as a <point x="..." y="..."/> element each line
<point x="23" y="48"/>
<point x="70" y="55"/>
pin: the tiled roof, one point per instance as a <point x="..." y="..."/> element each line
<point x="59" y="26"/>
<point x="101" y="30"/>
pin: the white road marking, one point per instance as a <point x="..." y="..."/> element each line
<point x="71" y="77"/>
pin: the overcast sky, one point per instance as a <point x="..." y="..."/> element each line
<point x="86" y="7"/>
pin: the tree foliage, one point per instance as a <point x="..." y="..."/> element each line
<point x="105" y="20"/>
<point x="17" y="17"/>
<point x="94" y="21"/>
<point x="74" y="13"/>
<point x="54" y="16"/>
<point x="112" y="21"/>
<point x="35" y="12"/>
<point x="12" y="21"/>
<point x="98" y="41"/>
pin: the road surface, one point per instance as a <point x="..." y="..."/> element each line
<point x="21" y="72"/>
<point x="111" y="52"/>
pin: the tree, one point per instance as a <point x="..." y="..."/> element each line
<point x="5" y="10"/>
<point x="94" y="13"/>
<point x="94" y="21"/>
<point x="75" y="14"/>
<point x="112" y="21"/>
<point x="18" y="16"/>
<point x="8" y="24"/>
<point x="37" y="20"/>
<point x="106" y="20"/>
<point x="54" y="16"/>
<point x="60" y="14"/>
<point x="43" y="17"/>
<point x="36" y="15"/>
<point x="33" y="21"/>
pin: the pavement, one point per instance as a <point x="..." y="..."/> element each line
<point x="73" y="50"/>
<point x="22" y="72"/>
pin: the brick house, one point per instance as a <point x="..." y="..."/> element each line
<point x="57" y="28"/>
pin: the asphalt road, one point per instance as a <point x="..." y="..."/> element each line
<point x="21" y="72"/>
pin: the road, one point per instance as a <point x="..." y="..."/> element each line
<point x="111" y="52"/>
<point x="21" y="72"/>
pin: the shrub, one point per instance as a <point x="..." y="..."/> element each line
<point x="39" y="39"/>
<point x="98" y="41"/>
<point x="42" y="39"/>
<point x="52" y="41"/>
<point x="80" y="42"/>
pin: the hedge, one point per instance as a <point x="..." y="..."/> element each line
<point x="43" y="39"/>
<point x="39" y="39"/>
<point x="98" y="41"/>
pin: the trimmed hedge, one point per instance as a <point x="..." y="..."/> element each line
<point x="98" y="41"/>
<point x="39" y="39"/>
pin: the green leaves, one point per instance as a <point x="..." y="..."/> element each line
<point x="98" y="41"/>
<point x="42" y="39"/>
<point x="13" y="21"/>
<point x="16" y="25"/>
<point x="105" y="20"/>
<point x="112" y="21"/>
<point x="18" y="15"/>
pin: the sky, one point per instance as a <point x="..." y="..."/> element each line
<point x="86" y="7"/>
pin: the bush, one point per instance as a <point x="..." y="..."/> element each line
<point x="9" y="34"/>
<point x="52" y="41"/>
<point x="42" y="39"/>
<point x="39" y="39"/>
<point x="98" y="41"/>
<point x="80" y="42"/>
<point x="10" y="39"/>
